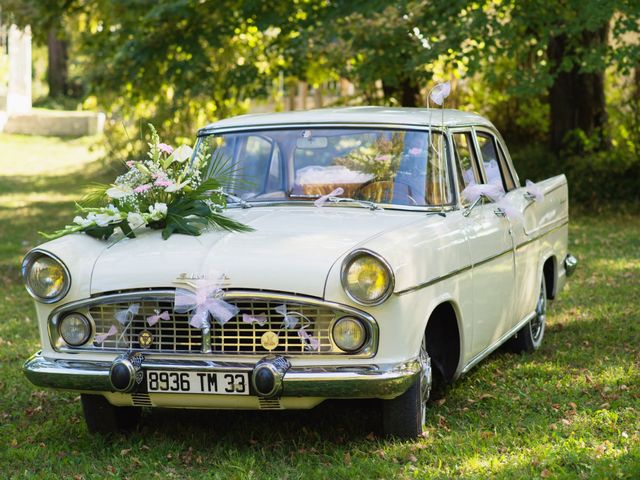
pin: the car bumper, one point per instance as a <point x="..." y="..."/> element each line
<point x="367" y="381"/>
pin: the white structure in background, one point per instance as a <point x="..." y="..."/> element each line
<point x="16" y="115"/>
<point x="19" y="88"/>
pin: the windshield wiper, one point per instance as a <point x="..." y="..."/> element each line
<point x="235" y="199"/>
<point x="362" y="203"/>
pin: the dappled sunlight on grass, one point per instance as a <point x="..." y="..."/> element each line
<point x="44" y="156"/>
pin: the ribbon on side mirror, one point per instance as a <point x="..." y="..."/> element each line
<point x="473" y="192"/>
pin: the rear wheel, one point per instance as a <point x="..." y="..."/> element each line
<point x="404" y="416"/>
<point x="102" y="417"/>
<point x="529" y="338"/>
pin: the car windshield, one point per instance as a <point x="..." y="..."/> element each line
<point x="385" y="166"/>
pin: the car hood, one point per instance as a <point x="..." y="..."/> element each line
<point x="291" y="250"/>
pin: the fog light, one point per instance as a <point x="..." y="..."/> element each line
<point x="75" y="329"/>
<point x="349" y="334"/>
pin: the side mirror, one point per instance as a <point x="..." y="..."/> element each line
<point x="467" y="211"/>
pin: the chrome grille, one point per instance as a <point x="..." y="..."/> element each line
<point x="239" y="337"/>
<point x="235" y="337"/>
<point x="173" y="335"/>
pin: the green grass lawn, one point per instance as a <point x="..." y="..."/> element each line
<point x="571" y="410"/>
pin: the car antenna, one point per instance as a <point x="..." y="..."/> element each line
<point x="438" y="94"/>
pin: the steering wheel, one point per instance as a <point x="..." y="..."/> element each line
<point x="387" y="185"/>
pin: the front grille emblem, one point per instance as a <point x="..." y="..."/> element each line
<point x="269" y="340"/>
<point x="145" y="339"/>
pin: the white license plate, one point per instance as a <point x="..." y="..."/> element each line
<point x="175" y="381"/>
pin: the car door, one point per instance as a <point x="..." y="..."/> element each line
<point x="490" y="244"/>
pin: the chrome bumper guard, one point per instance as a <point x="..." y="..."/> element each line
<point x="368" y="381"/>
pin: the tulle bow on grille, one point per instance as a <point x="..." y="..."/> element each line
<point x="205" y="301"/>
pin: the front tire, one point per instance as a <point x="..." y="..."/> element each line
<point x="403" y="417"/>
<point x="529" y="338"/>
<point x="102" y="417"/>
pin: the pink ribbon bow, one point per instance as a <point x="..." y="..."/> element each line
<point x="250" y="319"/>
<point x="310" y="342"/>
<point x="153" y="319"/>
<point x="534" y="190"/>
<point x="125" y="316"/>
<point x="323" y="199"/>
<point x="205" y="301"/>
<point x="103" y="336"/>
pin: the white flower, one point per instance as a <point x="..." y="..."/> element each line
<point x="158" y="211"/>
<point x="182" y="153"/>
<point x="83" y="222"/>
<point x="103" y="219"/>
<point x="179" y="186"/>
<point x="119" y="191"/>
<point x="135" y="220"/>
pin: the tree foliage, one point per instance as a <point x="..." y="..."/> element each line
<point x="186" y="62"/>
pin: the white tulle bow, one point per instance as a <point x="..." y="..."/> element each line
<point x="440" y="92"/>
<point x="125" y="316"/>
<point x="323" y="199"/>
<point x="512" y="212"/>
<point x="473" y="192"/>
<point x="534" y="190"/>
<point x="205" y="301"/>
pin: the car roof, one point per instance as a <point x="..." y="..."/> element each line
<point x="370" y="116"/>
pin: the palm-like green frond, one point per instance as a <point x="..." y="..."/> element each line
<point x="95" y="195"/>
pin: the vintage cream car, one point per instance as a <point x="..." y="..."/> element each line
<point x="392" y="249"/>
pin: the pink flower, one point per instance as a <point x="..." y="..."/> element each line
<point x="163" y="182"/>
<point x="163" y="147"/>
<point x="142" y="188"/>
<point x="130" y="163"/>
<point x="383" y="158"/>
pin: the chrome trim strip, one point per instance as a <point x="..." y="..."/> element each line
<point x="463" y="269"/>
<point x="284" y="126"/>
<point x="362" y="381"/>
<point x="28" y="260"/>
<point x="451" y="274"/>
<point x="368" y="350"/>
<point x="433" y="281"/>
<point x="491" y="348"/>
<point x="343" y="276"/>
<point x="552" y="229"/>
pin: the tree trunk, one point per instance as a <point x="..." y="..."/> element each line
<point x="57" y="70"/>
<point x="406" y="92"/>
<point x="576" y="98"/>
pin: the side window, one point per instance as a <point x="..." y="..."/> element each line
<point x="465" y="161"/>
<point x="494" y="162"/>
<point x="511" y="184"/>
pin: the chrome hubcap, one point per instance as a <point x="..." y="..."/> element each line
<point x="537" y="323"/>
<point x="425" y="381"/>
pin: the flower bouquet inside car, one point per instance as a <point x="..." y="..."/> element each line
<point x="173" y="190"/>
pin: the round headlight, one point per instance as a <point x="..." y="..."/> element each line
<point x="349" y="334"/>
<point x="367" y="278"/>
<point x="75" y="329"/>
<point x="46" y="278"/>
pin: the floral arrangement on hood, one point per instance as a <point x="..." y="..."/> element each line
<point x="172" y="190"/>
